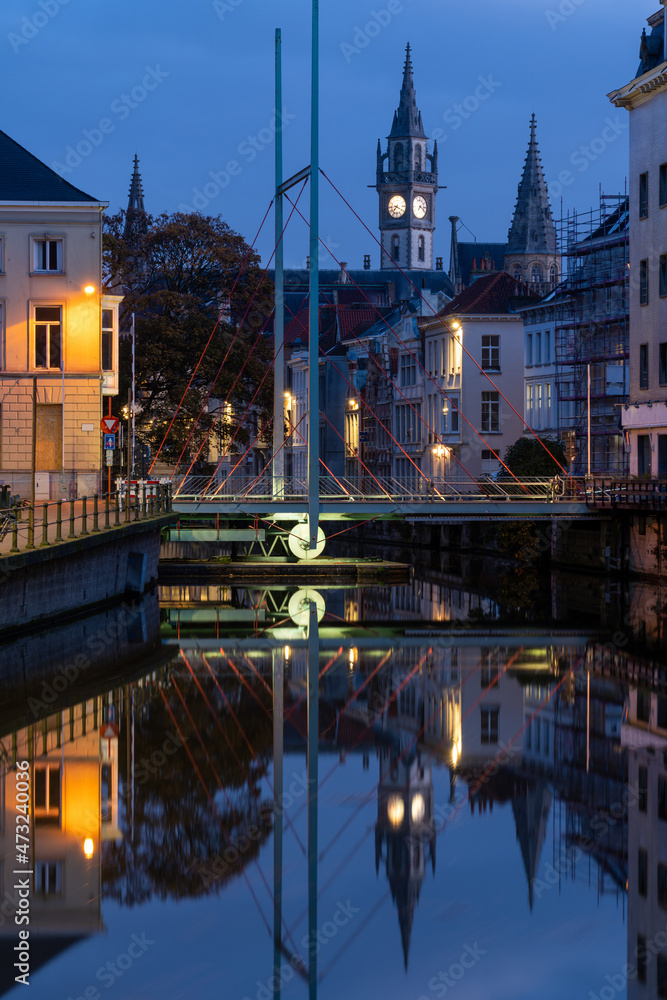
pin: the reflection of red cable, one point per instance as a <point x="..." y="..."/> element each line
<point x="429" y="306"/>
<point x="213" y="806"/>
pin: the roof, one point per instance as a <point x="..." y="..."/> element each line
<point x="652" y="47"/>
<point x="25" y="178"/>
<point x="491" y="294"/>
<point x="532" y="230"/>
<point x="407" y="118"/>
<point x="382" y="287"/>
<point x="471" y="255"/>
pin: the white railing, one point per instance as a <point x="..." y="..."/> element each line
<point x="387" y="489"/>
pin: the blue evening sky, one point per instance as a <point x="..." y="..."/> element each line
<point x="208" y="101"/>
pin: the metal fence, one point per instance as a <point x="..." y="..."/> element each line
<point x="62" y="520"/>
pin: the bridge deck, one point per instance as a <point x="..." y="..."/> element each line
<point x="385" y="498"/>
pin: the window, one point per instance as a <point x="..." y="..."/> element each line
<point x="47" y="793"/>
<point x="490" y="412"/>
<point x="538" y="405"/>
<point x="643" y="789"/>
<point x="662" y="710"/>
<point x="48" y="336"/>
<point x="529" y="402"/>
<point x="489" y="717"/>
<point x="48" y="878"/>
<point x="663" y="184"/>
<point x="538" y="349"/>
<point x="643" y="366"/>
<point x="47" y="256"/>
<point x="395" y="247"/>
<point x="536" y="274"/>
<point x="398" y="157"/>
<point x="450" y="415"/>
<point x="547" y="347"/>
<point x="641" y="958"/>
<point x="529" y="348"/>
<point x="642" y="872"/>
<point x="49" y="437"/>
<point x="517" y="272"/>
<point x="663" y="274"/>
<point x="421" y="248"/>
<point x="552" y="274"/>
<point x="418" y="158"/>
<point x="662" y="797"/>
<point x="491" y="353"/>
<point x="408" y="370"/>
<point x="643" y="196"/>
<point x="107" y="340"/>
<point x="643" y="705"/>
<point x="643" y="282"/>
<point x="662" y="363"/>
<point x="662" y="886"/>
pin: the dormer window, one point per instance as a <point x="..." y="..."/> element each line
<point x="47" y="256"/>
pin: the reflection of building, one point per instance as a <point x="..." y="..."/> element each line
<point x="405" y="828"/>
<point x="74" y="778"/>
<point x="647" y="859"/>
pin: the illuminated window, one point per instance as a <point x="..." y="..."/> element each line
<point x="47" y="793"/>
<point x="48" y="336"/>
<point x="107" y="340"/>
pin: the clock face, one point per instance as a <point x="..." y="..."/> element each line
<point x="419" y="207"/>
<point x="396" y="206"/>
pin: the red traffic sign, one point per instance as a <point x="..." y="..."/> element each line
<point x="109" y="424"/>
<point x="109" y="730"/>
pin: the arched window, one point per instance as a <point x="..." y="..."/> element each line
<point x="536" y="274"/>
<point x="517" y="272"/>
<point x="421" y="248"/>
<point x="418" y="159"/>
<point x="395" y="247"/>
<point x="552" y="274"/>
<point x="398" y="157"/>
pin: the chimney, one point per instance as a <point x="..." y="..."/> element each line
<point x="367" y="262"/>
<point x="343" y="278"/>
<point x="438" y="263"/>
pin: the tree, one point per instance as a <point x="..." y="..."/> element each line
<point x="184" y="277"/>
<point x="528" y="457"/>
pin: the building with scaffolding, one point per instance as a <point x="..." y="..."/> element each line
<point x="591" y="332"/>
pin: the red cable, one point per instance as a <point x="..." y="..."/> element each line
<point x="224" y="360"/>
<point x="526" y="425"/>
<point x="440" y="390"/>
<point x="201" y="357"/>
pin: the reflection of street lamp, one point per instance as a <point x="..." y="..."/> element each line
<point x="417" y="808"/>
<point x="88" y="847"/>
<point x="395" y="810"/>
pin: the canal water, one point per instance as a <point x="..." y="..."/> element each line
<point x="491" y="795"/>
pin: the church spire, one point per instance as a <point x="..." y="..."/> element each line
<point x="532" y="230"/>
<point x="135" y="217"/>
<point x="407" y="118"/>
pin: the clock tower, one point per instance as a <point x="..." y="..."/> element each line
<point x="407" y="182"/>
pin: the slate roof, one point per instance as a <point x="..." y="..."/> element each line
<point x="652" y="47"/>
<point x="491" y="294"/>
<point x="407" y="118"/>
<point x="25" y="178"/>
<point x="532" y="230"/>
<point x="470" y="253"/>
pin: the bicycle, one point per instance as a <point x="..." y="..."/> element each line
<point x="9" y="517"/>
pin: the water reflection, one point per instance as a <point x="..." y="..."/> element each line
<point x="532" y="768"/>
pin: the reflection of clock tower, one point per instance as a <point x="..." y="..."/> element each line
<point x="407" y="186"/>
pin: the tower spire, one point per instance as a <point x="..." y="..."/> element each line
<point x="532" y="230"/>
<point x="407" y="118"/>
<point x="135" y="218"/>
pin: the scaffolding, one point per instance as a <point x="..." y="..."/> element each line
<point x="592" y="333"/>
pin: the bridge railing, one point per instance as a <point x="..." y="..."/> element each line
<point x="636" y="494"/>
<point x="387" y="489"/>
<point x="23" y="527"/>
